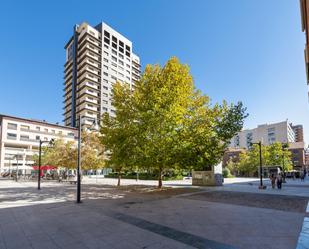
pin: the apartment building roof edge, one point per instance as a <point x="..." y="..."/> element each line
<point x="36" y="121"/>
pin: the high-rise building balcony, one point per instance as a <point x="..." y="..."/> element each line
<point x="89" y="69"/>
<point x="89" y="54"/>
<point x="87" y="61"/>
<point x="87" y="76"/>
<point x="89" y="47"/>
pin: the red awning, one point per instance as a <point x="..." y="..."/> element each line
<point x="44" y="167"/>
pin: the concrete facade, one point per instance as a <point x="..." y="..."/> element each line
<point x="19" y="140"/>
<point x="267" y="133"/>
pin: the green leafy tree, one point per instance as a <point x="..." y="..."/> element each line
<point x="166" y="125"/>
<point x="209" y="131"/>
<point x="272" y="155"/>
<point x="92" y="151"/>
<point x="119" y="132"/>
<point x="162" y="99"/>
<point x="64" y="155"/>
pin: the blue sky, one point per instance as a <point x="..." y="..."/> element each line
<point x="248" y="50"/>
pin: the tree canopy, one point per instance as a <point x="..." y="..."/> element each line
<point x="272" y="155"/>
<point x="64" y="154"/>
<point x="165" y="123"/>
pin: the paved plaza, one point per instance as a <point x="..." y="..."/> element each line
<point x="137" y="215"/>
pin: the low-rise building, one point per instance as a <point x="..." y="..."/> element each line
<point x="299" y="132"/>
<point x="231" y="155"/>
<point x="19" y="140"/>
<point x="267" y="133"/>
<point x="298" y="154"/>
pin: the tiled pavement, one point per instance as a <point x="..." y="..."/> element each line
<point x="111" y="218"/>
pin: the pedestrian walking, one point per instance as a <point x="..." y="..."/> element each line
<point x="302" y="176"/>
<point x="273" y="181"/>
<point x="279" y="181"/>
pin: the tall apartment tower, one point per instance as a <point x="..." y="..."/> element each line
<point x="96" y="57"/>
<point x="304" y="10"/>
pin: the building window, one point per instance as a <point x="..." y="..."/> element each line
<point x="46" y="130"/>
<point x="106" y="60"/>
<point x="237" y="141"/>
<point x="249" y="138"/>
<point x="11" y="136"/>
<point x="114" y="52"/>
<point x="24" y="137"/>
<point x="12" y="126"/>
<point x="114" y="39"/>
<point x="25" y="127"/>
<point x="53" y="131"/>
<point x="106" y="34"/>
<point x="106" y="40"/>
<point x="38" y="128"/>
<point x="114" y="58"/>
<point x="104" y="109"/>
<point x="71" y="134"/>
<point x="114" y="45"/>
<point x="105" y="87"/>
<point x="70" y="52"/>
<point x="106" y="54"/>
<point x="121" y="56"/>
<point x="105" y="102"/>
<point x="37" y="137"/>
<point x="105" y="73"/>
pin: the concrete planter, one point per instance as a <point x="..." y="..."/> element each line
<point x="212" y="177"/>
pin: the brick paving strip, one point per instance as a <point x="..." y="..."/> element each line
<point x="171" y="233"/>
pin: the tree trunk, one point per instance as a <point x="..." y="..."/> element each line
<point x="119" y="177"/>
<point x="160" y="179"/>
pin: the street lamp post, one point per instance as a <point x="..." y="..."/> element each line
<point x="10" y="167"/>
<point x="78" y="168"/>
<point x="261" y="167"/>
<point x="16" y="157"/>
<point x="284" y="146"/>
<point x="40" y="157"/>
<point x="78" y="199"/>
